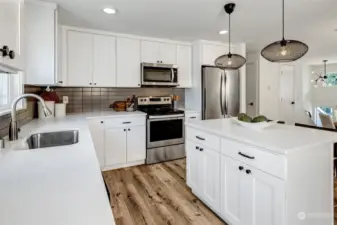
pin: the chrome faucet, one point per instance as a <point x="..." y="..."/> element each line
<point x="13" y="130"/>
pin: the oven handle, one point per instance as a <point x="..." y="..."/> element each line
<point x="178" y="116"/>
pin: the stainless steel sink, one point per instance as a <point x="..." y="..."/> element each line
<point x="53" y="139"/>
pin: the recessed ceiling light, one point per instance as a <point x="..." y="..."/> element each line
<point x="223" y="31"/>
<point x="109" y="10"/>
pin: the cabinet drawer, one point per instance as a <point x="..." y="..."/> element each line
<point x="205" y="139"/>
<point x="124" y="122"/>
<point x="270" y="163"/>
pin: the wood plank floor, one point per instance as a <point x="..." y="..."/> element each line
<point x="157" y="194"/>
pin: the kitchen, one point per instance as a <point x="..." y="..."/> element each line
<point x="129" y="167"/>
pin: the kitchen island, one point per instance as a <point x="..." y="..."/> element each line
<point x="58" y="185"/>
<point x="280" y="176"/>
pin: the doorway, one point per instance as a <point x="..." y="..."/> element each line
<point x="287" y="93"/>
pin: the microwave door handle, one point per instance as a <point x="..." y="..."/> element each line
<point x="173" y="76"/>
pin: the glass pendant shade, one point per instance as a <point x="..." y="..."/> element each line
<point x="230" y="61"/>
<point x="284" y="51"/>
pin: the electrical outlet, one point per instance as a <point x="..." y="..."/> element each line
<point x="65" y="99"/>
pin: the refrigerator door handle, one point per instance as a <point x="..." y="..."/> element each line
<point x="226" y="102"/>
<point x="221" y="94"/>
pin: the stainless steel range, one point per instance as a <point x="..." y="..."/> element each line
<point x="165" y="129"/>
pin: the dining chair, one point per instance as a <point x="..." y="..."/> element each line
<point x="327" y="121"/>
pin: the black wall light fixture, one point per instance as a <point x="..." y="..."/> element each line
<point x="284" y="50"/>
<point x="230" y="61"/>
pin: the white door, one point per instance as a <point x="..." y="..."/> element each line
<point x="184" y="62"/>
<point x="150" y="52"/>
<point x="210" y="177"/>
<point x="211" y="52"/>
<point x="236" y="188"/>
<point x="128" y="62"/>
<point x="252" y="88"/>
<point x="287" y="96"/>
<point x="136" y="143"/>
<point x="168" y="53"/>
<point x="104" y="61"/>
<point x="79" y="58"/>
<point x="192" y="164"/>
<point x="11" y="12"/>
<point x="97" y="133"/>
<point x="115" y="146"/>
<point x="269" y="199"/>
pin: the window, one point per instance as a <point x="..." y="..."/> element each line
<point x="11" y="86"/>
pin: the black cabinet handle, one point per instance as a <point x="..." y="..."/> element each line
<point x="124" y="129"/>
<point x="95" y="83"/>
<point x="293" y="103"/>
<point x="197" y="148"/>
<point x="128" y="122"/>
<point x="129" y="129"/>
<point x="193" y="117"/>
<point x="201" y="149"/>
<point x="246" y="156"/>
<point x="5" y="51"/>
<point x="11" y="54"/>
<point x="102" y="122"/>
<point x="251" y="103"/>
<point x="60" y="82"/>
<point x="200" y="138"/>
<point x="90" y="83"/>
<point x="248" y="171"/>
<point x="241" y="168"/>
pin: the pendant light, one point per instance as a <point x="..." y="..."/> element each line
<point x="284" y="50"/>
<point x="230" y="61"/>
<point x="321" y="77"/>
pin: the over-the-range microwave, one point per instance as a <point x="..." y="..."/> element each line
<point x="157" y="74"/>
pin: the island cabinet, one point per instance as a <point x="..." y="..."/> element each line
<point x="281" y="176"/>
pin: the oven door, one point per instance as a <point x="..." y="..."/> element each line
<point x="165" y="131"/>
<point x="159" y="75"/>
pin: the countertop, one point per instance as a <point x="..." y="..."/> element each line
<point x="278" y="138"/>
<point x="58" y="185"/>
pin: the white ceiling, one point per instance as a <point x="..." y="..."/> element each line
<point x="255" y="22"/>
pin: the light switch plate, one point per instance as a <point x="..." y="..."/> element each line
<point x="65" y="99"/>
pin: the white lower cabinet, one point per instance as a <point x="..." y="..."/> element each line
<point x="204" y="173"/>
<point x="119" y="142"/>
<point x="115" y="146"/>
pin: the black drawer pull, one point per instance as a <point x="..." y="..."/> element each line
<point x="127" y="122"/>
<point x="200" y="138"/>
<point x="197" y="148"/>
<point x="201" y="149"/>
<point x="193" y="117"/>
<point x="246" y="156"/>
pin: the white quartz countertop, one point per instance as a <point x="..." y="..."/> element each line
<point x="109" y="114"/>
<point x="279" y="138"/>
<point x="54" y="186"/>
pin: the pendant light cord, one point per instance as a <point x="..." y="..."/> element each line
<point x="325" y="67"/>
<point x="282" y="19"/>
<point x="229" y="33"/>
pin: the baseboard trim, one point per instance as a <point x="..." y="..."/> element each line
<point x="123" y="165"/>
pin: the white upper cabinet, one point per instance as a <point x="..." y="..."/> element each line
<point x="128" y="62"/>
<point x="168" y="53"/>
<point x="211" y="52"/>
<point x="11" y="12"/>
<point x="184" y="62"/>
<point x="40" y="42"/>
<point x="157" y="52"/>
<point x="104" y="61"/>
<point x="79" y="65"/>
<point x="90" y="59"/>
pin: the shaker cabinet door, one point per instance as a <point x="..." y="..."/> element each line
<point x="136" y="143"/>
<point x="115" y="146"/>
<point x="79" y="58"/>
<point x="128" y="62"/>
<point x="184" y="62"/>
<point x="104" y="61"/>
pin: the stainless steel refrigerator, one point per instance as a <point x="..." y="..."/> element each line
<point x="220" y="93"/>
